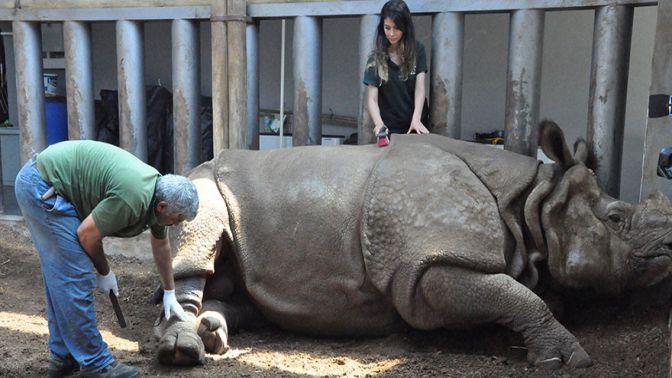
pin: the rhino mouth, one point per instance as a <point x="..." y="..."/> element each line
<point x="663" y="249"/>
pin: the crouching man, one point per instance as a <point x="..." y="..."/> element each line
<point x="72" y="195"/>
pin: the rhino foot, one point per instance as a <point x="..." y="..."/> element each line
<point x="556" y="348"/>
<point x="180" y="344"/>
<point x="213" y="332"/>
<point x="578" y="359"/>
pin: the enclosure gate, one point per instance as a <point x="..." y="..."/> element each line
<point x="235" y="79"/>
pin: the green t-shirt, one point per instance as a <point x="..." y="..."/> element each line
<point x="396" y="97"/>
<point x="103" y="180"/>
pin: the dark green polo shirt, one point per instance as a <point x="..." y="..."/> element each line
<point x="103" y="180"/>
<point x="396" y="98"/>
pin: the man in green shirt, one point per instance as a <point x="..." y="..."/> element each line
<point x="72" y="195"/>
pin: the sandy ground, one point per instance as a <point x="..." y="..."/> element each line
<point x="626" y="338"/>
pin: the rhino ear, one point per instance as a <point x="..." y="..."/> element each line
<point x="552" y="141"/>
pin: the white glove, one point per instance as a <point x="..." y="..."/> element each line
<point x="108" y="282"/>
<point x="170" y="304"/>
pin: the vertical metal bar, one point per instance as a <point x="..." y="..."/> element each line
<point x="237" y="72"/>
<point x="283" y="48"/>
<point x="220" y="85"/>
<point x="29" y="88"/>
<point x="446" y="73"/>
<point x="367" y="33"/>
<point x="608" y="90"/>
<point x="10" y="77"/>
<point x="8" y="41"/>
<point x="186" y="60"/>
<point x="132" y="102"/>
<point x="658" y="130"/>
<point x="79" y="80"/>
<point x="523" y="85"/>
<point x="307" y="56"/>
<point x="252" y="32"/>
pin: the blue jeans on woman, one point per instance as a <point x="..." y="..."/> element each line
<point x="67" y="272"/>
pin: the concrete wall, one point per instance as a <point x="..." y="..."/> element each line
<point x="564" y="90"/>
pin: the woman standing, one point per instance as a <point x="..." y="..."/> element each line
<point x="395" y="74"/>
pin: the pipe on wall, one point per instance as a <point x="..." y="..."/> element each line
<point x="186" y="65"/>
<point x="446" y="74"/>
<point x="252" y="48"/>
<point x="367" y="34"/>
<point x="29" y="88"/>
<point x="608" y="92"/>
<point x="523" y="84"/>
<point x="79" y="80"/>
<point x="307" y="55"/>
<point x="130" y="79"/>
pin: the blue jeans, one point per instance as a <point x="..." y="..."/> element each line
<point x="67" y="272"/>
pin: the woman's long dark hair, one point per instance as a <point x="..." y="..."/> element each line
<point x="397" y="11"/>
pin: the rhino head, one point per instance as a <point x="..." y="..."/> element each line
<point x="594" y="241"/>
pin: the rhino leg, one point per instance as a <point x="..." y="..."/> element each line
<point x="456" y="297"/>
<point x="219" y="319"/>
<point x="179" y="343"/>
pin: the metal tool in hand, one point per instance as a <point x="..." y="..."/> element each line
<point x="117" y="310"/>
<point x="383" y="139"/>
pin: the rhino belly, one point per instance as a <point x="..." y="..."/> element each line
<point x="298" y="248"/>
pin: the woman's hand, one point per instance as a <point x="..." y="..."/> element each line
<point x="418" y="127"/>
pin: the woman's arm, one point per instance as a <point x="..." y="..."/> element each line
<point x="374" y="110"/>
<point x="416" y="124"/>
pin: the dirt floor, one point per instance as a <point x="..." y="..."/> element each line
<point x="625" y="339"/>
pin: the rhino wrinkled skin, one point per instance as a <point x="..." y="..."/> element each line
<point x="429" y="232"/>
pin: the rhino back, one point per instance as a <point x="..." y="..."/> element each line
<point x="426" y="206"/>
<point x="295" y="219"/>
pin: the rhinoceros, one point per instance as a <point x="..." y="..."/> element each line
<point x="428" y="232"/>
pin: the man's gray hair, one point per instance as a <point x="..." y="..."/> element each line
<point x="180" y="195"/>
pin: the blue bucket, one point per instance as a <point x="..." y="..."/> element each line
<point x="56" y="116"/>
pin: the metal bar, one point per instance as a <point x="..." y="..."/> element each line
<point x="446" y="73"/>
<point x="608" y="93"/>
<point x="523" y="84"/>
<point x="367" y="34"/>
<point x="307" y="56"/>
<point x="252" y="48"/>
<point x="315" y="9"/>
<point x="29" y="88"/>
<point x="220" y="86"/>
<point x="132" y="102"/>
<point x="186" y="52"/>
<point x="237" y="73"/>
<point x="658" y="130"/>
<point x="358" y="8"/>
<point x="283" y="48"/>
<point x="8" y="40"/>
<point x="32" y="4"/>
<point x="79" y="80"/>
<point x="106" y="14"/>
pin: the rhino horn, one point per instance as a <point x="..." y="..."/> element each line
<point x="552" y="142"/>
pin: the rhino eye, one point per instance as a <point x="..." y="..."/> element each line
<point x="615" y="218"/>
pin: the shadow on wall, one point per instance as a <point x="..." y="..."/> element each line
<point x="159" y="121"/>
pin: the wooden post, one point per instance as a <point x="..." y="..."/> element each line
<point x="220" y="87"/>
<point x="237" y="72"/>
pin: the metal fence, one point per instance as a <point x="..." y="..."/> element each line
<point x="235" y="80"/>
